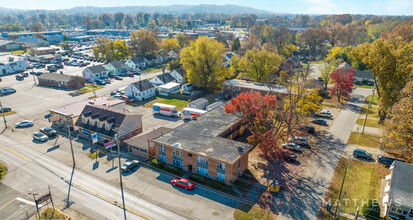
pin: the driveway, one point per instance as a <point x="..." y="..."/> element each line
<point x="304" y="201"/>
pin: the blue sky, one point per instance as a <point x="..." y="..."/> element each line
<point x="379" y="7"/>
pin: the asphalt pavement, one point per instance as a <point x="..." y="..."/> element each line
<point x="304" y="202"/>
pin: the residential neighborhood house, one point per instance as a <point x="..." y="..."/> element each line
<point x="169" y="88"/>
<point x="116" y="67"/>
<point x="95" y="72"/>
<point x="136" y="63"/>
<point x="162" y="79"/>
<point x="179" y="75"/>
<point x="140" y="90"/>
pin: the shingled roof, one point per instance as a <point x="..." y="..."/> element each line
<point x="137" y="60"/>
<point x="97" y="69"/>
<point x="57" y="77"/>
<point x="143" y="140"/>
<point x="118" y="64"/>
<point x="166" y="78"/>
<point x="142" y="85"/>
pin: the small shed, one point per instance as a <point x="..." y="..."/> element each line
<point x="213" y="106"/>
<point x="199" y="104"/>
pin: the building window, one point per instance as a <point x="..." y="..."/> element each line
<point x="178" y="163"/>
<point x="91" y="122"/>
<point x="84" y="120"/>
<point x="189" y="155"/>
<point x="202" y="171"/>
<point x="177" y="153"/>
<point x="162" y="158"/>
<point x="162" y="148"/>
<point x="221" y="166"/>
<point x="221" y="177"/>
<point x="202" y="160"/>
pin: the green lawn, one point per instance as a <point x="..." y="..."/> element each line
<point x="179" y="103"/>
<point x="49" y="213"/>
<point x="373" y="111"/>
<point x="20" y="51"/>
<point x="367" y="140"/>
<point x="89" y="88"/>
<point x="375" y="100"/>
<point x="370" y="123"/>
<point x="154" y="69"/>
<point x="362" y="183"/>
<point x="3" y="171"/>
<point x="246" y="212"/>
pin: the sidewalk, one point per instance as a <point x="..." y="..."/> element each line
<point x="368" y="130"/>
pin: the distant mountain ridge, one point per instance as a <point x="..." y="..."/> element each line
<point x="167" y="9"/>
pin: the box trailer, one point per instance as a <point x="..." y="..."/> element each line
<point x="191" y="113"/>
<point x="164" y="109"/>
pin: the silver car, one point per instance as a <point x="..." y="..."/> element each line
<point x="40" y="136"/>
<point x="25" y="123"/>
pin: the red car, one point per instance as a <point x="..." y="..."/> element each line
<point x="118" y="78"/>
<point x="183" y="183"/>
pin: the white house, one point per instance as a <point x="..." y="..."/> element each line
<point x="136" y="63"/>
<point x="116" y="67"/>
<point x="171" y="87"/>
<point x="13" y="66"/>
<point x="179" y="75"/>
<point x="162" y="79"/>
<point x="140" y="90"/>
<point x="151" y="60"/>
<point x="172" y="55"/>
<point x="95" y="72"/>
<point x="186" y="87"/>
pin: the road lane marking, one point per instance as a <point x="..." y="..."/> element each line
<point x="111" y="200"/>
<point x="7" y="203"/>
<point x="14" y="152"/>
<point x="27" y="202"/>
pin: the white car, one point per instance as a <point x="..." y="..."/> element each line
<point x="298" y="140"/>
<point x="25" y="123"/>
<point x="325" y="111"/>
<point x="291" y="146"/>
<point x="40" y="136"/>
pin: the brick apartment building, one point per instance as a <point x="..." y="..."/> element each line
<point x="206" y="146"/>
<point x="106" y="122"/>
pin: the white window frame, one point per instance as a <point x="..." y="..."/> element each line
<point x="202" y="160"/>
<point x="162" y="148"/>
<point x="221" y="177"/>
<point x="162" y="158"/>
<point x="202" y="171"/>
<point x="221" y="165"/>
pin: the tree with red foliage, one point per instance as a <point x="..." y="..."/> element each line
<point x="258" y="113"/>
<point x="344" y="82"/>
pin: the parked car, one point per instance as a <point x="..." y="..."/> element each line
<point x="291" y="146"/>
<point x="25" y="123"/>
<point x="19" y="77"/>
<point x="47" y="115"/>
<point x="130" y="74"/>
<point x="323" y="115"/>
<point x="48" y="131"/>
<point x="319" y="121"/>
<point x="386" y="160"/>
<point x="118" y="78"/>
<point x="298" y="140"/>
<point x="39" y="136"/>
<point x="308" y="128"/>
<point x="100" y="82"/>
<point x="288" y="156"/>
<point x="183" y="183"/>
<point x="359" y="153"/>
<point x="127" y="99"/>
<point x="5" y="109"/>
<point x="130" y="165"/>
<point x="7" y="91"/>
<point x="24" y="74"/>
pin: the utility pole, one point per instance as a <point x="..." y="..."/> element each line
<point x="4" y="117"/>
<point x="120" y="173"/>
<point x="51" y="199"/>
<point x="341" y="189"/>
<point x="70" y="140"/>
<point x="357" y="213"/>
<point x="367" y="112"/>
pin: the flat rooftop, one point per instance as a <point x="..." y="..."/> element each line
<point x="169" y="85"/>
<point x="201" y="136"/>
<point x="256" y="86"/>
<point x="77" y="108"/>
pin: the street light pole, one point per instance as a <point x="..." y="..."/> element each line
<point x="34" y="198"/>
<point x="4" y="117"/>
<point x="341" y="190"/>
<point x="70" y="140"/>
<point x="120" y="173"/>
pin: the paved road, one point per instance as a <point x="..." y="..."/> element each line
<point x="31" y="171"/>
<point x="304" y="201"/>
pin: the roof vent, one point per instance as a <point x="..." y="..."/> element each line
<point x="177" y="145"/>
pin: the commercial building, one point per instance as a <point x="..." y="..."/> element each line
<point x="61" y="81"/>
<point x="206" y="146"/>
<point x="142" y="144"/>
<point x="42" y="50"/>
<point x="234" y="87"/>
<point x="107" y="123"/>
<point x="70" y="113"/>
<point x="12" y="64"/>
<point x="6" y="45"/>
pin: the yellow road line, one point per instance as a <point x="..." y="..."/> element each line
<point x="7" y="204"/>
<point x="14" y="152"/>
<point x="111" y="200"/>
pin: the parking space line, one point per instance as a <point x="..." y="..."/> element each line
<point x="14" y="152"/>
<point x="7" y="204"/>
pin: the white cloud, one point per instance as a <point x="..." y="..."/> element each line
<point x="397" y="6"/>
